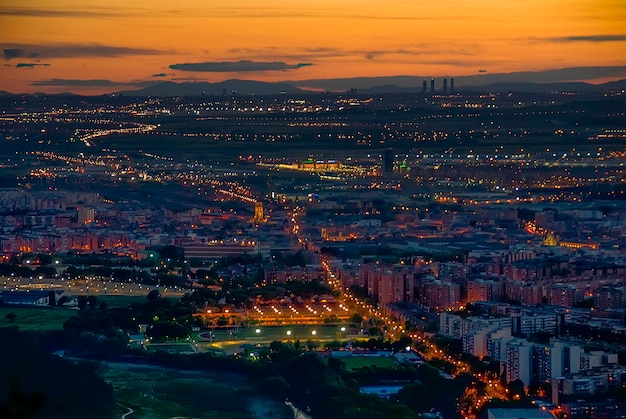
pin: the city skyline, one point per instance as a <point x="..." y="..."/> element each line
<point x="112" y="46"/>
<point x="279" y="209"/>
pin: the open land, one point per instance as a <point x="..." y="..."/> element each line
<point x="157" y="392"/>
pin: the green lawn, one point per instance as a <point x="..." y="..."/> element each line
<point x="232" y="341"/>
<point x="266" y="334"/>
<point x="156" y="392"/>
<point x="355" y="362"/>
<point x="36" y="318"/>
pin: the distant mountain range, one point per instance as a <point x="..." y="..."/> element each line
<point x="580" y="87"/>
<point x="526" y="82"/>
<point x="536" y="81"/>
<point x="241" y="87"/>
<point x="249" y="87"/>
<point x="550" y="87"/>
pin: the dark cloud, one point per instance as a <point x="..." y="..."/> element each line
<point x="159" y="75"/>
<point x="236" y="12"/>
<point x="73" y="50"/>
<point x="585" y="38"/>
<point x="9" y="53"/>
<point x="31" y="65"/>
<point x="20" y="11"/>
<point x="304" y="13"/>
<point x="370" y="55"/>
<point x="307" y="53"/>
<point x="315" y="54"/>
<point x="237" y="66"/>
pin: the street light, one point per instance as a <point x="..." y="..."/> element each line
<point x="313" y="332"/>
<point x="257" y="331"/>
<point x="288" y="332"/>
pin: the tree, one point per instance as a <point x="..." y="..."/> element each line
<point x="375" y="331"/>
<point x="72" y="272"/>
<point x="333" y="345"/>
<point x="407" y="395"/>
<point x="337" y="365"/>
<point x="356" y="319"/>
<point x="82" y="302"/>
<point x="432" y="326"/>
<point x="168" y="252"/>
<point x="154" y="295"/>
<point x="67" y="389"/>
<point x="516" y="389"/>
<point x="63" y="300"/>
<point x="91" y="301"/>
<point x="402" y="344"/>
<point x="167" y="330"/>
<point x="312" y="344"/>
<point x="274" y="386"/>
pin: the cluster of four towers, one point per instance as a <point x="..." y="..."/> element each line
<point x="432" y="86"/>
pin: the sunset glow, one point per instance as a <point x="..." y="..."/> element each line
<point x="120" y="45"/>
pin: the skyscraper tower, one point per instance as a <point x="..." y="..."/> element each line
<point x="432" y="86"/>
<point x="451" y="85"/>
<point x="445" y="86"/>
<point x="388" y="161"/>
<point x="424" y="86"/>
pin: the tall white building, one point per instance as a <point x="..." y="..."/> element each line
<point x="519" y="361"/>
<point x="475" y="332"/>
<point x="529" y="323"/>
<point x="496" y="343"/>
<point x="451" y="325"/>
<point x="550" y="360"/>
<point x="593" y="359"/>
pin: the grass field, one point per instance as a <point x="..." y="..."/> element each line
<point x="36" y="318"/>
<point x="52" y="318"/>
<point x="156" y="392"/>
<point x="355" y="362"/>
<point x="319" y="332"/>
<point x="232" y="341"/>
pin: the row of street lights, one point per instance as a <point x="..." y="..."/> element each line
<point x="290" y="332"/>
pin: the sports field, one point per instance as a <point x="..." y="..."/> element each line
<point x="355" y="362"/>
<point x="231" y="340"/>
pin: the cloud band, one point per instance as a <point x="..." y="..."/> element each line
<point x="237" y="66"/>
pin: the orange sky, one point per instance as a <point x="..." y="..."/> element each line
<point x="64" y="45"/>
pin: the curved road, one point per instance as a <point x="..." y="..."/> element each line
<point x="130" y="412"/>
<point x="297" y="413"/>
